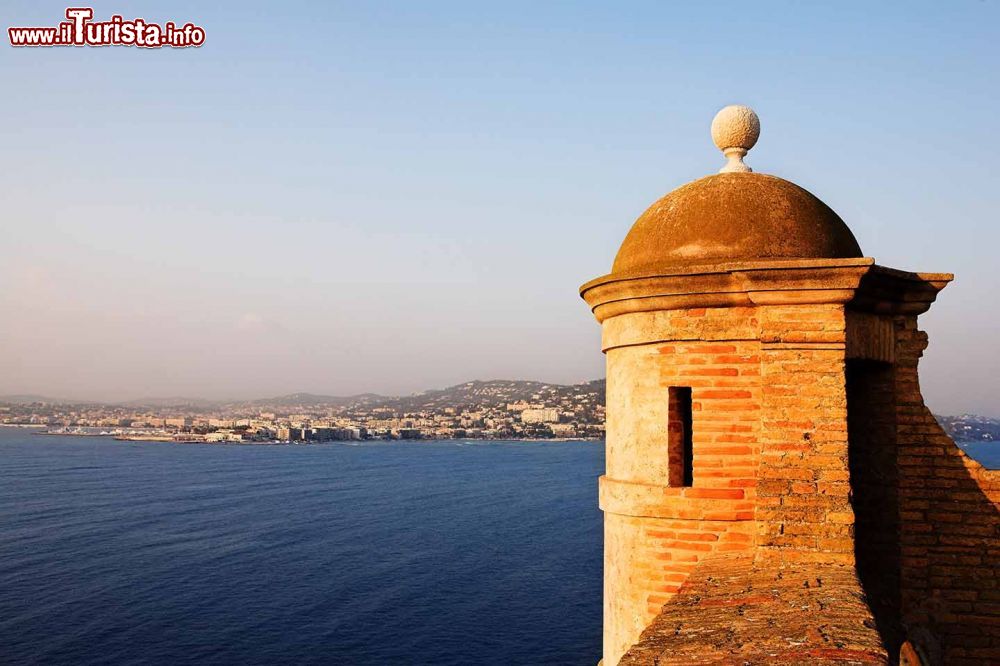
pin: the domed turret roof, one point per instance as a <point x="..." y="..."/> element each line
<point x="735" y="215"/>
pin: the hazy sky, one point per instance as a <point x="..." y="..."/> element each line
<point x="352" y="196"/>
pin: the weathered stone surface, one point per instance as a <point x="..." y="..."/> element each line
<point x="733" y="611"/>
<point x="734" y="216"/>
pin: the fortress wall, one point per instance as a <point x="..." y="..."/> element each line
<point x="811" y="446"/>
<point x="648" y="559"/>
<point x="949" y="508"/>
<point x="656" y="531"/>
<point x="803" y="507"/>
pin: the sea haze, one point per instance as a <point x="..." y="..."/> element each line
<point x="373" y="553"/>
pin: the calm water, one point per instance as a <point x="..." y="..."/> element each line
<point x="420" y="553"/>
<point x="986" y="453"/>
<point x="377" y="553"/>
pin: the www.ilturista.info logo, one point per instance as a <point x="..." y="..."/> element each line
<point x="79" y="30"/>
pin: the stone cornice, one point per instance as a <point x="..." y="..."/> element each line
<point x="859" y="283"/>
<point x="886" y="290"/>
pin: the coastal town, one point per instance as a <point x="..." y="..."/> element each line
<point x="487" y="410"/>
<point x="475" y="410"/>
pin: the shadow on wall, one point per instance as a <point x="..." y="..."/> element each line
<point x="872" y="461"/>
<point x="927" y="517"/>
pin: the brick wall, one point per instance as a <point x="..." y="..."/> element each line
<point x="949" y="526"/>
<point x="811" y="448"/>
<point x="656" y="530"/>
<point x="803" y="507"/>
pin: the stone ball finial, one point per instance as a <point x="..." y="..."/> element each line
<point x="735" y="130"/>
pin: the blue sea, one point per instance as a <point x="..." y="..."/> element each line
<point x="374" y="553"/>
<point x="986" y="454"/>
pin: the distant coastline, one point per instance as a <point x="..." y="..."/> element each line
<point x="985" y="452"/>
<point x="180" y="439"/>
<point x="508" y="410"/>
<point x="478" y="410"/>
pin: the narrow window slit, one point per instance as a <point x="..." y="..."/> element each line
<point x="679" y="440"/>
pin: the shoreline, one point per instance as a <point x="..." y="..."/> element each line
<point x="168" y="439"/>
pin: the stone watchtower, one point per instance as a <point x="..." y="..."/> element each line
<point x="775" y="487"/>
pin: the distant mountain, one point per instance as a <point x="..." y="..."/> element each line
<point x="294" y="399"/>
<point x="493" y="392"/>
<point x="498" y="391"/>
<point x="23" y="399"/>
<point x="471" y="393"/>
<point x="970" y="428"/>
<point x="174" y="401"/>
<point x="476" y="392"/>
<point x="28" y="398"/>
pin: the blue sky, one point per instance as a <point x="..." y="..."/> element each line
<point x="344" y="197"/>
